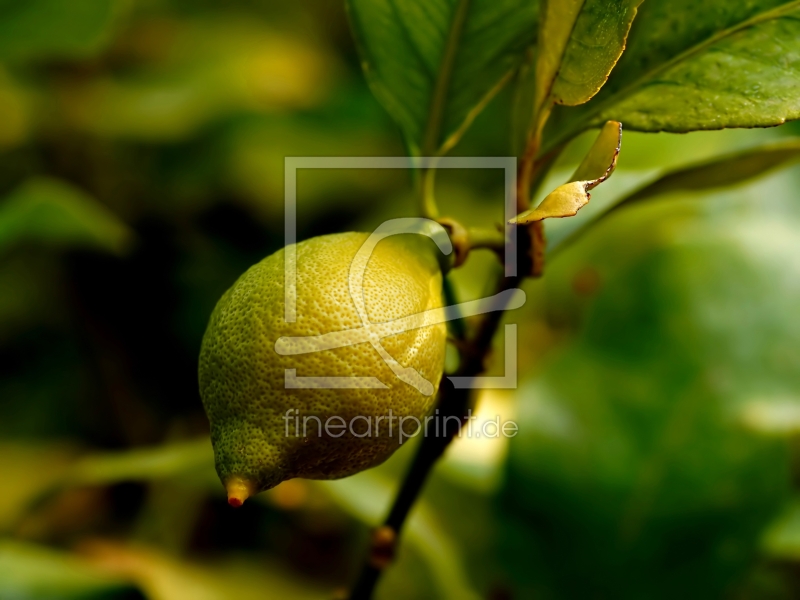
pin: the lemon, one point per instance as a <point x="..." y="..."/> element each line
<point x="277" y="395"/>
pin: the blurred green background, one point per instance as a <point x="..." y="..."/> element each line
<point x="142" y="146"/>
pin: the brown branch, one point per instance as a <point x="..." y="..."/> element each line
<point x="455" y="402"/>
<point x="452" y="402"/>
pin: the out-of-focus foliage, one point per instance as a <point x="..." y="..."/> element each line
<point x="649" y="477"/>
<point x="143" y="146"/>
<point x="53" y="29"/>
<point x="28" y="571"/>
<point x="46" y="212"/>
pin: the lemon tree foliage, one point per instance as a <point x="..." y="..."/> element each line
<point x="691" y="66"/>
<point x="435" y="63"/>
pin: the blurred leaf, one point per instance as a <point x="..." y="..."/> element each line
<point x="782" y="538"/>
<point x="53" y="28"/>
<point x="724" y="171"/>
<point x="631" y="466"/>
<point x="49" y="211"/>
<point x="597" y="166"/>
<point x="163" y="577"/>
<point x="434" y="64"/>
<point x="27" y="470"/>
<point x="208" y="69"/>
<point x="29" y="572"/>
<point x="192" y="459"/>
<point x="580" y="41"/>
<point x="692" y="66"/>
<point x="721" y="172"/>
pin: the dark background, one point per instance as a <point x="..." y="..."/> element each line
<point x="141" y="171"/>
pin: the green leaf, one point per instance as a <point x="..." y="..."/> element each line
<point x="44" y="28"/>
<point x="36" y="573"/>
<point x="691" y="66"/>
<point x="32" y="468"/>
<point x="49" y="211"/>
<point x="597" y="166"/>
<point x="434" y="64"/>
<point x="721" y="172"/>
<point x="193" y="458"/>
<point x="580" y="41"/>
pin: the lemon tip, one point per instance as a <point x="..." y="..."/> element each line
<point x="238" y="490"/>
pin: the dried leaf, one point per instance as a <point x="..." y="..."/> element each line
<point x="598" y="165"/>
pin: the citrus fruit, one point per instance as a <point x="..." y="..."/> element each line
<point x="283" y="402"/>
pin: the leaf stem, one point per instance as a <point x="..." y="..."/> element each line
<point x="491" y="239"/>
<point x="433" y="130"/>
<point x="428" y="207"/>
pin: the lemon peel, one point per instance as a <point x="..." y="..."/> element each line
<point x="265" y="431"/>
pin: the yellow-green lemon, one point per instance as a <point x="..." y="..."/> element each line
<point x="283" y="402"/>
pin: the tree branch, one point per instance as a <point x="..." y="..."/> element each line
<point x="452" y="402"/>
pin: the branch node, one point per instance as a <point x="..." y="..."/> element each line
<point x="382" y="548"/>
<point x="460" y="238"/>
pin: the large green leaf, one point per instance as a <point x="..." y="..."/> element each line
<point x="42" y="28"/>
<point x="53" y="212"/>
<point x="635" y="465"/>
<point x="699" y="65"/>
<point x="434" y="64"/>
<point x="580" y="41"/>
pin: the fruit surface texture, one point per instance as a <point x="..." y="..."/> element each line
<point x="265" y="428"/>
